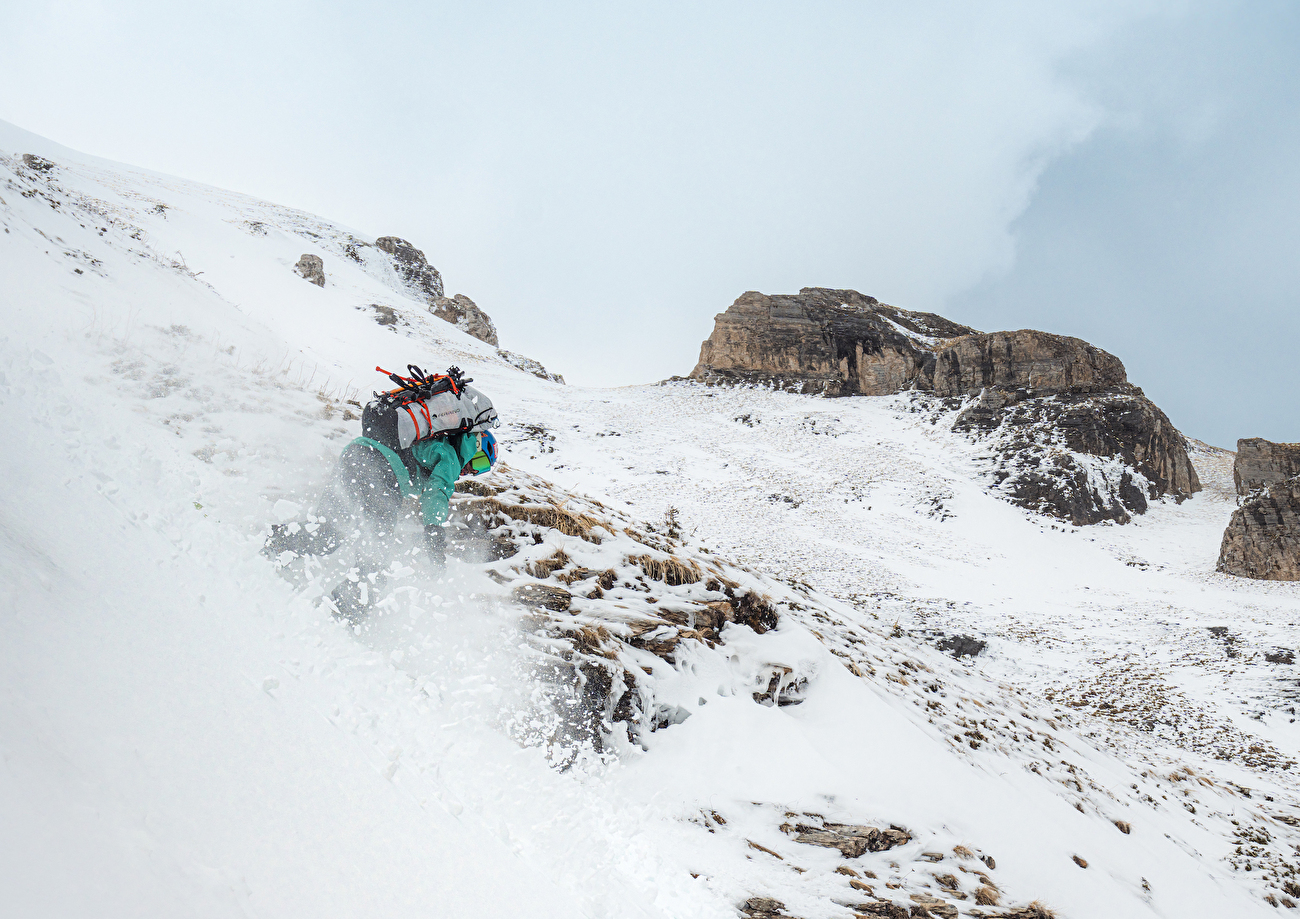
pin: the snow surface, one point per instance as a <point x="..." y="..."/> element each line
<point x="186" y="730"/>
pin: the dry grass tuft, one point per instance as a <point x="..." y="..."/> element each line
<point x="1035" y="910"/>
<point x="573" y="576"/>
<point x="962" y="852"/>
<point x="1081" y="862"/>
<point x="477" y="487"/>
<point x="545" y="567"/>
<point x="1124" y="826"/>
<point x="671" y="570"/>
<point x="552" y="516"/>
<point x="592" y="639"/>
<point x="987" y="896"/>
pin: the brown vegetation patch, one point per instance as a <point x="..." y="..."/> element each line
<point x="543" y="568"/>
<point x="552" y="516"/>
<point x="543" y="596"/>
<point x="671" y="570"/>
<point x="578" y="573"/>
<point x="478" y="487"/>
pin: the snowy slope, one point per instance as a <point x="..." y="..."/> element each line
<point x="186" y="730"/>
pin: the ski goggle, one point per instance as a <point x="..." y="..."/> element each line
<point x="486" y="456"/>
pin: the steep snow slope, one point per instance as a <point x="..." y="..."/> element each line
<point x="187" y="730"/>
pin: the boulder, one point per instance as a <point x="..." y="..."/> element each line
<point x="1262" y="540"/>
<point x="312" y="268"/>
<point x="464" y="314"/>
<point x="1071" y="436"/>
<point x="412" y="267"/>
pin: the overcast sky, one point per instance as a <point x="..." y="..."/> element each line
<point x="603" y="178"/>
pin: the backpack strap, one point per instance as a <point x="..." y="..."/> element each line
<point x="409" y="483"/>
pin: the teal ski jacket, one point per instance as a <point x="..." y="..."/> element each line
<point x="437" y="467"/>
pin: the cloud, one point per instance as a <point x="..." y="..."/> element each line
<point x="1169" y="235"/>
<point x="601" y="178"/>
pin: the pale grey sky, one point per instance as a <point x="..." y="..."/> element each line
<point x="604" y="178"/>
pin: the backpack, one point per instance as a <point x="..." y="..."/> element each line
<point x="426" y="406"/>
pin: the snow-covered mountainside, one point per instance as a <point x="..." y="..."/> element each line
<point x="690" y="661"/>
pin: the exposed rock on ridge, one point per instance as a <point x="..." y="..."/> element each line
<point x="1263" y="538"/>
<point x="1073" y="438"/>
<point x="426" y="283"/>
<point x="833" y="342"/>
<point x="464" y="314"/>
<point x="412" y="266"/>
<point x="1034" y="361"/>
<point x="1261" y="463"/>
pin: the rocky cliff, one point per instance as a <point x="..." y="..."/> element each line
<point x="1070" y="436"/>
<point x="1261" y="463"/>
<point x="426" y="283"/>
<point x="1263" y="538"/>
<point x="832" y="342"/>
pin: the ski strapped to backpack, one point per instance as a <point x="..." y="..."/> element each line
<point x="425" y="406"/>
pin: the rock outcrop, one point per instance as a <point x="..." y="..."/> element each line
<point x="1071" y="436"/>
<point x="832" y="342"/>
<point x="464" y="314"/>
<point x="412" y="267"/>
<point x="1025" y="360"/>
<point x="423" y="280"/>
<point x="1261" y="463"/>
<point x="528" y="365"/>
<point x="1262" y="540"/>
<point x="311" y="268"/>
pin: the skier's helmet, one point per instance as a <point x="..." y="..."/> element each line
<point x="485" y="458"/>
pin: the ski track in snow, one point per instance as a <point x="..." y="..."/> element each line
<point x="185" y="731"/>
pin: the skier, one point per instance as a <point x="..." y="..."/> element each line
<point x="393" y="460"/>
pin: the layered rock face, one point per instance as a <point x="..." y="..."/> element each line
<point x="1261" y="463"/>
<point x="1263" y="538"/>
<point x="1035" y="361"/>
<point x="833" y="342"/>
<point x="1072" y="437"/>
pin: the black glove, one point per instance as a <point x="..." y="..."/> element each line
<point x="435" y="543"/>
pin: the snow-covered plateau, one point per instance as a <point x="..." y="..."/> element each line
<point x="688" y="664"/>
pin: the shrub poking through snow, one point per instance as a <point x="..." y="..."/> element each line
<point x="671" y="570"/>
